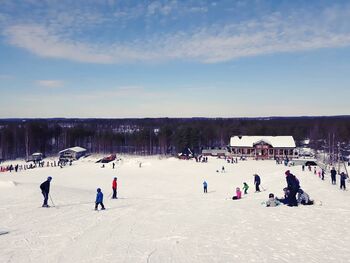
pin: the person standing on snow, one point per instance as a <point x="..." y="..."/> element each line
<point x="293" y="186"/>
<point x="245" y="188"/>
<point x="333" y="175"/>
<point x="114" y="188"/>
<point x="99" y="199"/>
<point x="257" y="182"/>
<point x="343" y="177"/>
<point x="45" y="190"/>
<point x="205" y="187"/>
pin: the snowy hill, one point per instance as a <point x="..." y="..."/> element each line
<point x="162" y="214"/>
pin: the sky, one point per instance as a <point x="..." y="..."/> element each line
<point x="135" y="59"/>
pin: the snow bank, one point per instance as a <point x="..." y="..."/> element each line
<point x="7" y="184"/>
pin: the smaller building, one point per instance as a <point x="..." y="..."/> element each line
<point x="217" y="151"/>
<point x="35" y="157"/>
<point x="263" y="147"/>
<point x="73" y="153"/>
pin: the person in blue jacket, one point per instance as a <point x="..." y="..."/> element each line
<point x="99" y="199"/>
<point x="205" y="187"/>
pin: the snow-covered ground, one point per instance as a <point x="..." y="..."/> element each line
<point x="162" y="215"/>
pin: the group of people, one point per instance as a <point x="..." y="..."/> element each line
<point x="321" y="174"/>
<point x="343" y="176"/>
<point x="293" y="194"/>
<point x="45" y="190"/>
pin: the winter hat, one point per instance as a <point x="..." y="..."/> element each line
<point x="287" y="172"/>
<point x="271" y="195"/>
<point x="115" y="178"/>
<point x="49" y="178"/>
<point x="98" y="190"/>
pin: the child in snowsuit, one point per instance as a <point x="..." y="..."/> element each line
<point x="99" y="199"/>
<point x="272" y="202"/>
<point x="303" y="198"/>
<point x="114" y="188"/>
<point x="238" y="194"/>
<point x="343" y="177"/>
<point x="45" y="190"/>
<point x="245" y="188"/>
<point x="205" y="187"/>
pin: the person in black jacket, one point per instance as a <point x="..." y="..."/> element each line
<point x="293" y="187"/>
<point x="333" y="175"/>
<point x="343" y="177"/>
<point x="257" y="182"/>
<point x="45" y="190"/>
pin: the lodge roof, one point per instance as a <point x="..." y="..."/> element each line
<point x="274" y="141"/>
<point x="74" y="149"/>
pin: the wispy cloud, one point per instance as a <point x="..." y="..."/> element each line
<point x="274" y="33"/>
<point x="50" y="83"/>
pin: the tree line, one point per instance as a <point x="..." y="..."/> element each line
<point x="21" y="137"/>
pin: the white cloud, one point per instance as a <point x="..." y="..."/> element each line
<point x="50" y="83"/>
<point x="217" y="43"/>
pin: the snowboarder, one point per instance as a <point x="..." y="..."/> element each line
<point x="257" y="182"/>
<point x="245" y="188"/>
<point x="114" y="188"/>
<point x="343" y="177"/>
<point x="205" y="187"/>
<point x="293" y="186"/>
<point x="238" y="194"/>
<point x="303" y="198"/>
<point x="333" y="175"/>
<point x="45" y="190"/>
<point x="272" y="202"/>
<point x="99" y="199"/>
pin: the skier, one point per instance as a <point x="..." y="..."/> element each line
<point x="303" y="198"/>
<point x="343" y="177"/>
<point x="333" y="175"/>
<point x="245" y="188"/>
<point x="99" y="199"/>
<point x="114" y="187"/>
<point x="272" y="202"/>
<point x="45" y="190"/>
<point x="205" y="187"/>
<point x="257" y="182"/>
<point x="238" y="194"/>
<point x="293" y="187"/>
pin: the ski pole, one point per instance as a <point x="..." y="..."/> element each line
<point x="53" y="204"/>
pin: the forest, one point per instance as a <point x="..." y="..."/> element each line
<point x="21" y="137"/>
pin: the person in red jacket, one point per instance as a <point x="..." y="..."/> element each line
<point x="114" y="187"/>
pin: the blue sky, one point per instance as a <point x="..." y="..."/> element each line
<point x="109" y="58"/>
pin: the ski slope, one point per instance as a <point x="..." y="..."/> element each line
<point x="162" y="215"/>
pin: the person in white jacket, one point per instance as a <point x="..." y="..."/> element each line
<point x="303" y="198"/>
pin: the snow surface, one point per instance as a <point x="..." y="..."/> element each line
<point x="163" y="216"/>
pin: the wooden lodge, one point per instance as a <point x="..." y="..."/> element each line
<point x="263" y="147"/>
